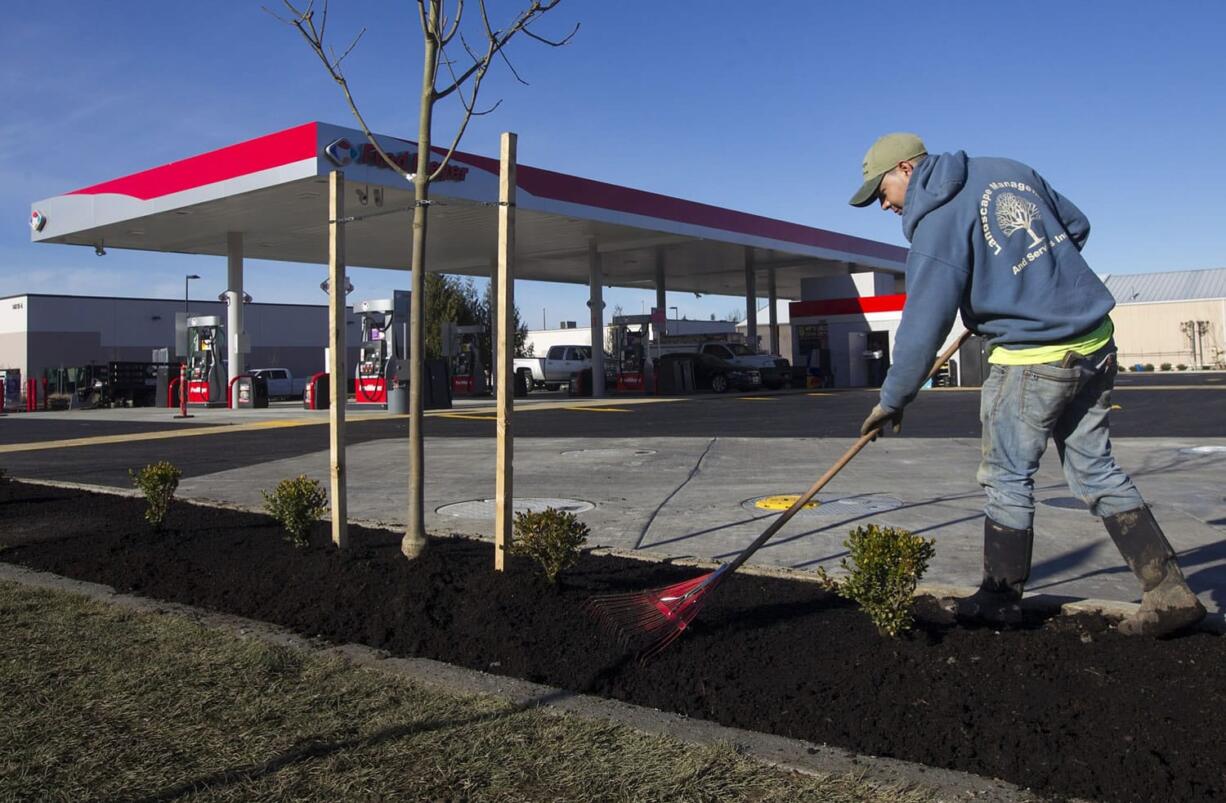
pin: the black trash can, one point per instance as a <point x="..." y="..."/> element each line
<point x="581" y="383"/>
<point x="685" y="379"/>
<point x="437" y="377"/>
<point x="519" y="388"/>
<point x="251" y="392"/>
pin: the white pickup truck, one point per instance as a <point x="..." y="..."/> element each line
<point x="281" y="383"/>
<point x="554" y="369"/>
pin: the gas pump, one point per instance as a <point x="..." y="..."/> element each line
<point x="206" y="376"/>
<point x="462" y="348"/>
<point x="384" y="347"/>
<point x="631" y="340"/>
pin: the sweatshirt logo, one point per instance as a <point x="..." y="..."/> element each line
<point x="1014" y="214"/>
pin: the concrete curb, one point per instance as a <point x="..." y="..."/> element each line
<point x="777" y="751"/>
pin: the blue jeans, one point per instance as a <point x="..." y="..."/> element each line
<point x="1021" y="407"/>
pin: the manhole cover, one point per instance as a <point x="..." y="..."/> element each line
<point x="782" y="502"/>
<point x="830" y="505"/>
<point x="608" y="455"/>
<point x="484" y="508"/>
<point x="1203" y="450"/>
<point x="1065" y="503"/>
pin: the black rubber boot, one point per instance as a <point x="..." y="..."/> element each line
<point x="1006" y="567"/>
<point x="1167" y="604"/>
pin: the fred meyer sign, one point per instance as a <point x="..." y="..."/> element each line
<point x="343" y="152"/>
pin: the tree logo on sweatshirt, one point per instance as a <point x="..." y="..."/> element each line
<point x="1014" y="214"/>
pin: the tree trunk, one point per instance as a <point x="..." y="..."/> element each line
<point x="414" y="542"/>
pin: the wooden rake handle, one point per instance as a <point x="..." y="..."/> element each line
<point x="854" y="450"/>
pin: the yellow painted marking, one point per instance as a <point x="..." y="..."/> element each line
<point x="819" y="394"/>
<point x="783" y="502"/>
<point x="597" y="409"/>
<point x="755" y="398"/>
<point x="1116" y="407"/>
<point x="99" y="440"/>
<point x="470" y="417"/>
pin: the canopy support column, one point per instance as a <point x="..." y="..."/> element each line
<point x="773" y="300"/>
<point x="660" y="287"/>
<point x="596" y="303"/>
<point x="236" y="336"/>
<point x="751" y="300"/>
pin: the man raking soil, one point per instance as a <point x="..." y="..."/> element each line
<point x="992" y="240"/>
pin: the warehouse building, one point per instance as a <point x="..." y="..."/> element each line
<point x="40" y="333"/>
<point x="1176" y="318"/>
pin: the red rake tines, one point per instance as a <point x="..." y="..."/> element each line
<point x="657" y="616"/>
<point x="663" y="614"/>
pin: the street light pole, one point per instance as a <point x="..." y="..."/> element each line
<point x="187" y="279"/>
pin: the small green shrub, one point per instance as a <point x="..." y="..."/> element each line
<point x="297" y="504"/>
<point x="551" y="537"/>
<point x="883" y="567"/>
<point x="1149" y="366"/>
<point x="1181" y="367"/>
<point x="158" y="482"/>
<point x="1166" y="366"/>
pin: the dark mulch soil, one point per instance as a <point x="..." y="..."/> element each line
<point x="1067" y="706"/>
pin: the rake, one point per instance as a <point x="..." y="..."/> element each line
<point x="661" y="615"/>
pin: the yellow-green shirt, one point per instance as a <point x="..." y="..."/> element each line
<point x="1054" y="352"/>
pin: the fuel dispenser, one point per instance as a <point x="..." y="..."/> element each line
<point x="631" y="358"/>
<point x="384" y="349"/>
<point x="462" y="348"/>
<point x="206" y="346"/>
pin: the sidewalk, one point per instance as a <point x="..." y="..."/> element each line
<point x="694" y="497"/>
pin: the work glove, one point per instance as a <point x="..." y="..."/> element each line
<point x="879" y="417"/>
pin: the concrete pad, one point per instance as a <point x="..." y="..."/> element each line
<point x="677" y="497"/>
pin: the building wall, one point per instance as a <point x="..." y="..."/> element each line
<point x="13" y="314"/>
<point x="1152" y="332"/>
<point x="764" y="338"/>
<point x="851" y="285"/>
<point x="67" y="331"/>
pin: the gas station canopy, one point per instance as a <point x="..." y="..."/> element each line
<point x="274" y="190"/>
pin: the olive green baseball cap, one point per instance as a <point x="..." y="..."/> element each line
<point x="883" y="157"/>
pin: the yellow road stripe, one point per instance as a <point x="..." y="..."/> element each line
<point x="466" y="416"/>
<point x="98" y="440"/>
<point x="756" y="398"/>
<point x="819" y="394"/>
<point x="593" y="409"/>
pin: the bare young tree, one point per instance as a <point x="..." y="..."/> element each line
<point x="1014" y="213"/>
<point x="438" y="30"/>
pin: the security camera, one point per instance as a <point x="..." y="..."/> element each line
<point x="99" y="250"/>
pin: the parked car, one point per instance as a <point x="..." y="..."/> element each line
<point x="776" y="371"/>
<point x="555" y="368"/>
<point x="281" y="383"/>
<point x="710" y="372"/>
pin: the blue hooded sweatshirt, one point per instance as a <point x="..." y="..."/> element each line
<point x="991" y="239"/>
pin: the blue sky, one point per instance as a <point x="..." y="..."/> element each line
<point x="763" y="107"/>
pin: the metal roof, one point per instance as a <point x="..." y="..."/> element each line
<point x="1176" y="285"/>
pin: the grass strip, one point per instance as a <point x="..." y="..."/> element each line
<point x="105" y="703"/>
